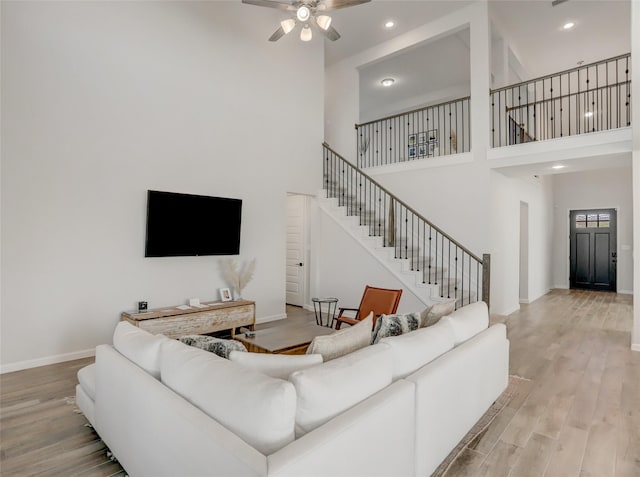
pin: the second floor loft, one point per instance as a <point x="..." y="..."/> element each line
<point x="586" y="99"/>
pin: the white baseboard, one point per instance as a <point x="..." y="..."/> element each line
<point x="561" y="287"/>
<point x="529" y="301"/>
<point x="308" y="307"/>
<point x="507" y="313"/>
<point x="625" y="292"/>
<point x="35" y="363"/>
<point x="635" y="347"/>
<point x="266" y="319"/>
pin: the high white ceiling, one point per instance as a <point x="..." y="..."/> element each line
<point x="602" y="30"/>
<point x="533" y="27"/>
<point x="420" y="78"/>
<point x="362" y="27"/>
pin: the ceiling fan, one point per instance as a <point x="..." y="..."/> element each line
<point x="310" y="13"/>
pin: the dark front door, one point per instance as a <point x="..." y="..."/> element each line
<point x="593" y="249"/>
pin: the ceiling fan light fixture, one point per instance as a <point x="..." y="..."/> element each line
<point x="303" y="13"/>
<point x="323" y="21"/>
<point x="288" y="25"/>
<point x="305" y="33"/>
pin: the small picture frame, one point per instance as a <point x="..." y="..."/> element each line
<point x="225" y="294"/>
<point x="412" y="139"/>
<point x="422" y="149"/>
<point x="422" y="138"/>
<point x="412" y="152"/>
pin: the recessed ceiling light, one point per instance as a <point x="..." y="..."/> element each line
<point x="387" y="82"/>
<point x="588" y="114"/>
<point x="389" y="24"/>
<point x="568" y="25"/>
<point x="559" y="166"/>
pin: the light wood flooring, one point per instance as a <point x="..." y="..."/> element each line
<point x="580" y="416"/>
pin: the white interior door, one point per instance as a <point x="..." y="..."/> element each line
<point x="296" y="223"/>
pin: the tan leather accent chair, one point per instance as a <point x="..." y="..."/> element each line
<point x="380" y="301"/>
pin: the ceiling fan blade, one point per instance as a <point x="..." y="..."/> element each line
<point x="329" y="5"/>
<point x="280" y="5"/>
<point x="279" y="33"/>
<point x="330" y="33"/>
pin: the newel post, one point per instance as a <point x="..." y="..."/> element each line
<point x="486" y="278"/>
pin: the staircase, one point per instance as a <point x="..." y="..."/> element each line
<point x="428" y="262"/>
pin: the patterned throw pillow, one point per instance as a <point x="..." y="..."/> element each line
<point x="215" y="345"/>
<point x="394" y="325"/>
<point x="432" y="314"/>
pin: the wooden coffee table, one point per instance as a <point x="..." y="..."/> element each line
<point x="284" y="339"/>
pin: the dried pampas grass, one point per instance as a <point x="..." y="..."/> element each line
<point x="238" y="276"/>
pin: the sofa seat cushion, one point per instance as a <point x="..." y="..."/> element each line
<point x="432" y="314"/>
<point x="87" y="380"/>
<point x="395" y="325"/>
<point x="139" y="346"/>
<point x="468" y="321"/>
<point x="330" y="389"/>
<point x="413" y="350"/>
<point x="214" y="345"/>
<point x="258" y="408"/>
<point x="343" y="341"/>
<point x="275" y="365"/>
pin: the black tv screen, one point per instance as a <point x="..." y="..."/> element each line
<point x="180" y="225"/>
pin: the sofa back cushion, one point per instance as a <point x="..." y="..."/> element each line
<point x="259" y="409"/>
<point x="468" y="321"/>
<point x="436" y="310"/>
<point x="413" y="350"/>
<point x="343" y="341"/>
<point x="139" y="346"/>
<point x="275" y="365"/>
<point x="327" y="390"/>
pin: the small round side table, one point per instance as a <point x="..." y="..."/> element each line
<point x="331" y="305"/>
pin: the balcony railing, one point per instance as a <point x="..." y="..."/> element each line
<point x="589" y="98"/>
<point x="423" y="133"/>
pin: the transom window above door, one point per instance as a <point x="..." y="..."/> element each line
<point x="601" y="221"/>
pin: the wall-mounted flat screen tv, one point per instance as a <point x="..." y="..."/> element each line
<point x="180" y="225"/>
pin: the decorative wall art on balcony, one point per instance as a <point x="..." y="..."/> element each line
<point x="432" y="141"/>
<point x="423" y="144"/>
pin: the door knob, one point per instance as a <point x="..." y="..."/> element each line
<point x="300" y="264"/>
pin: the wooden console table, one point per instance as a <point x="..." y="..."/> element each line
<point x="174" y="322"/>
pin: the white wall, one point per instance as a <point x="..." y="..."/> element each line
<point x="602" y="189"/>
<point x="102" y="101"/>
<point x="436" y="194"/>
<point x="635" y="93"/>
<point x="506" y="195"/>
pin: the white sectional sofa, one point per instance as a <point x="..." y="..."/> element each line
<point x="396" y="408"/>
